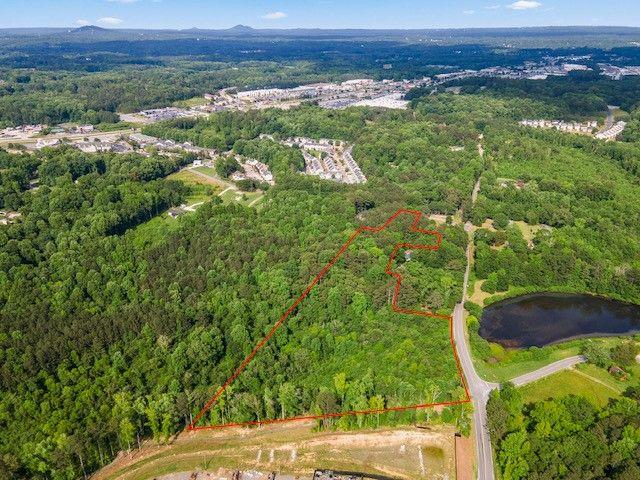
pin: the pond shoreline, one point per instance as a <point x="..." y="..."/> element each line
<point x="549" y="318"/>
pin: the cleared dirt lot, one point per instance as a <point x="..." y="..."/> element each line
<point x="294" y="449"/>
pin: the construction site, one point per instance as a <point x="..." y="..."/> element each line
<point x="269" y="452"/>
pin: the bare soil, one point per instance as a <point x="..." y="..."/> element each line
<point x="292" y="449"/>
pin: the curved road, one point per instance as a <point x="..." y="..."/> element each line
<point x="479" y="388"/>
<point x="547" y="370"/>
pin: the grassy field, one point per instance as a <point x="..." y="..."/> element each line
<point x="207" y="171"/>
<point x="603" y="376"/>
<point x="191" y="178"/>
<point x="566" y="383"/>
<point x="294" y="449"/>
<point x="245" y="198"/>
<point x="208" y="185"/>
<point x="513" y="363"/>
<point x="510" y="363"/>
<point x="478" y="296"/>
<point x="529" y="231"/>
<point x="202" y="189"/>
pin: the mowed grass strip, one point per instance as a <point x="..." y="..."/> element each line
<point x="602" y="375"/>
<point x="236" y="196"/>
<point x="568" y="382"/>
<point x="207" y="171"/>
<point x="187" y="176"/>
<point x="512" y="363"/>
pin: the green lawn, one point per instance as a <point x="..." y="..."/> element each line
<point x="512" y="363"/>
<point x="605" y="377"/>
<point x="245" y="198"/>
<point x="565" y="383"/>
<point x="207" y="171"/>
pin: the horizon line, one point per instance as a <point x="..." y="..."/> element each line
<point x="381" y="29"/>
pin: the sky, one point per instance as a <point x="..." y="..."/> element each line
<point x="317" y="13"/>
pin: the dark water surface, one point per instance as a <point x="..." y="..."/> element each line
<point x="545" y="318"/>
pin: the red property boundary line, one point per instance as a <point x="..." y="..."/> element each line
<point x="394" y="305"/>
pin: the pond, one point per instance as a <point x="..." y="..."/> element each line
<point x="545" y="318"/>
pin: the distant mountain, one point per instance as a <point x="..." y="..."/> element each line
<point x="241" y="28"/>
<point x="90" y="29"/>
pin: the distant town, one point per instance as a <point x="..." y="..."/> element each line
<point x="366" y="91"/>
<point x="359" y="92"/>
<point x="324" y="158"/>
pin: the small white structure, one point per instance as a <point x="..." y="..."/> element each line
<point x="85" y="128"/>
<point x="44" y="143"/>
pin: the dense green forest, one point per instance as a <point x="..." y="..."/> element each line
<point x="88" y="78"/>
<point x="117" y="323"/>
<point x="586" y="191"/>
<point x="580" y="94"/>
<point x="565" y="438"/>
<point x="144" y="321"/>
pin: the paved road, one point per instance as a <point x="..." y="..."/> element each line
<point x="68" y="136"/>
<point x="479" y="388"/>
<point x="548" y="370"/>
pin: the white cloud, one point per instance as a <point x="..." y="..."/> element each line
<point x="468" y="12"/>
<point x="110" y="21"/>
<point x="275" y="15"/>
<point x="524" y="5"/>
<point x="82" y="22"/>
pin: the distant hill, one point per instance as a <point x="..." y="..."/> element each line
<point x="89" y="29"/>
<point x="513" y="38"/>
<point x="241" y="28"/>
